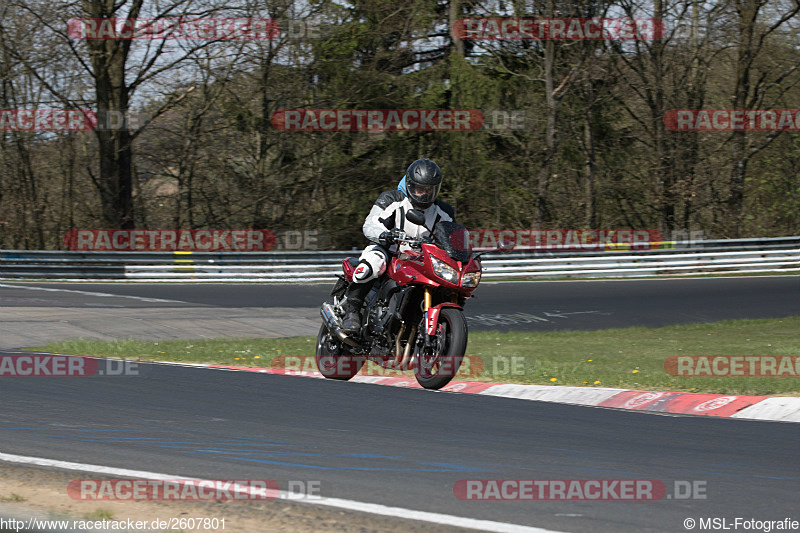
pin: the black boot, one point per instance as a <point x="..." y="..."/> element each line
<point x="352" y="306"/>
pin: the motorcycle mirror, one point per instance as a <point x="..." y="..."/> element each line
<point x="505" y="245"/>
<point x="415" y="216"/>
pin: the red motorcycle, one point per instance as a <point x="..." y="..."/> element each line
<point x="413" y="317"/>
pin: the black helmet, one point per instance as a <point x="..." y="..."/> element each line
<point x="423" y="181"/>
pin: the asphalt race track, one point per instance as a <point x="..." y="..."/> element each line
<point x="405" y="447"/>
<point x="541" y="306"/>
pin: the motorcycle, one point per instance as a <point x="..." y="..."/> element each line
<point x="412" y="318"/>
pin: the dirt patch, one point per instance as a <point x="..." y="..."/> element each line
<point x="28" y="491"/>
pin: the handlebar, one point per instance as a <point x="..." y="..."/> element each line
<point x="413" y="242"/>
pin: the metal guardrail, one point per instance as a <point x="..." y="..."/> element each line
<point x="779" y="254"/>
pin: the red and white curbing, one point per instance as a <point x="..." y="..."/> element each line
<point x="780" y="408"/>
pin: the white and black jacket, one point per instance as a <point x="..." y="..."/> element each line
<point x="389" y="211"/>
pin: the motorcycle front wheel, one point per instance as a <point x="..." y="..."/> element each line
<point x="436" y="367"/>
<point x="334" y="359"/>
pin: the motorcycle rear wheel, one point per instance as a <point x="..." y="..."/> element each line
<point x="334" y="359"/>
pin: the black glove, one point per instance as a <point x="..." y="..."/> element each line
<point x="387" y="238"/>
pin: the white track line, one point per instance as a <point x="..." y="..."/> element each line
<point x="88" y="293"/>
<point x="350" y="505"/>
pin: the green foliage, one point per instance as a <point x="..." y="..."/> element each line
<point x="214" y="159"/>
<point x="627" y="358"/>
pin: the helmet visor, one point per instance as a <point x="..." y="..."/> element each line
<point x="423" y="194"/>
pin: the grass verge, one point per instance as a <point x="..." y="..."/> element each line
<point x="626" y="358"/>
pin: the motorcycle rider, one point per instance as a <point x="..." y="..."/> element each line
<point x="418" y="189"/>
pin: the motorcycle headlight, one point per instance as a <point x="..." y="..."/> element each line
<point x="471" y="279"/>
<point x="444" y="271"/>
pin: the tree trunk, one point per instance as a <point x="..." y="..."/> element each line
<point x="453" y="12"/>
<point x="546" y="169"/>
<point x="665" y="171"/>
<point x="589" y="168"/>
<point x="747" y="12"/>
<point x="108" y="58"/>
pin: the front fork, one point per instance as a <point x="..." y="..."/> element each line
<point x="431" y="315"/>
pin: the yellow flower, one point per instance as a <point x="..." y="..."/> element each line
<point x="553" y="379"/>
<point x="635" y="372"/>
<point x="589" y="360"/>
<point x="597" y="382"/>
<point x="257" y="357"/>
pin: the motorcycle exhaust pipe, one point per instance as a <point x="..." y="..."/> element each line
<point x="398" y="350"/>
<point x="334" y="325"/>
<point x="405" y="364"/>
